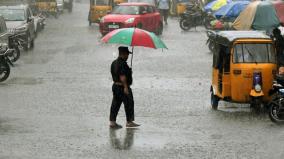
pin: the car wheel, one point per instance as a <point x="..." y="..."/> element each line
<point x="140" y="26"/>
<point x="29" y="44"/>
<point x="36" y="33"/>
<point x="159" y="30"/>
<point x="32" y="44"/>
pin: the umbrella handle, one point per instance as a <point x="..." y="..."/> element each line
<point x="132" y="56"/>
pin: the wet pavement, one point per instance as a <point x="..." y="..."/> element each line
<point x="56" y="102"/>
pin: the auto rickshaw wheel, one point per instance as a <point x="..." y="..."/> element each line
<point x="256" y="104"/>
<point x="214" y="101"/>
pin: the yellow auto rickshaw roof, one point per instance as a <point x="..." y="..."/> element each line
<point x="228" y="37"/>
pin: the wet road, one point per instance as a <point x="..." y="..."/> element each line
<point x="56" y="102"/>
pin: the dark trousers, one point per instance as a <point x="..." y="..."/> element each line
<point x="120" y="97"/>
<point x="164" y="14"/>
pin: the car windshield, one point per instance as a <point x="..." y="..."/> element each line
<point x="254" y="53"/>
<point x="128" y="10"/>
<point x="13" y="14"/>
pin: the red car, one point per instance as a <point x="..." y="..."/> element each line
<point x="128" y="15"/>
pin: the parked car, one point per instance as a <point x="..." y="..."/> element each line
<point x="127" y="15"/>
<point x="19" y="20"/>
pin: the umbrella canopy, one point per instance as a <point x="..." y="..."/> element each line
<point x="258" y="15"/>
<point x="279" y="7"/>
<point x="231" y="10"/>
<point x="216" y="4"/>
<point x="134" y="37"/>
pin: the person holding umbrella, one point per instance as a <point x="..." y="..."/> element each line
<point x="122" y="73"/>
<point x="122" y="93"/>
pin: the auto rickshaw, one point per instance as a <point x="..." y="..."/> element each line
<point x="99" y="8"/>
<point x="244" y="66"/>
<point x="47" y="7"/>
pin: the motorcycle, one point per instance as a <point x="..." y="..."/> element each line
<point x="211" y="40"/>
<point x="5" y="62"/>
<point x="276" y="106"/>
<point x="193" y="17"/>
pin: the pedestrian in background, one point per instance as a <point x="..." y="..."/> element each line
<point x="164" y="7"/>
<point x="279" y="44"/>
<point x="122" y="93"/>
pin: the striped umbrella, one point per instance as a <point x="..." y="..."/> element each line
<point x="134" y="37"/>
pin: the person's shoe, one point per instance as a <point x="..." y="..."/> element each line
<point x="115" y="126"/>
<point x="132" y="125"/>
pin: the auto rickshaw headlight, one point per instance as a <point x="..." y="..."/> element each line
<point x="130" y="20"/>
<point x="257" y="88"/>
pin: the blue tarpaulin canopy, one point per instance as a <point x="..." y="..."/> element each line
<point x="231" y="10"/>
<point x="208" y="7"/>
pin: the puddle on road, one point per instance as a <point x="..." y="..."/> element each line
<point x="25" y="81"/>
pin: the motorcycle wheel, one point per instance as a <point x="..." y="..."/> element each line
<point x="184" y="24"/>
<point x="15" y="55"/>
<point x="4" y="71"/>
<point x="275" y="115"/>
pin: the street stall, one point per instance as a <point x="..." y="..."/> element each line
<point x="231" y="11"/>
<point x="258" y="15"/>
<point x="226" y="15"/>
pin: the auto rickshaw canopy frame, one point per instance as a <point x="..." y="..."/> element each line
<point x="227" y="38"/>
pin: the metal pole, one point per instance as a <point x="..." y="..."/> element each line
<point x="132" y="55"/>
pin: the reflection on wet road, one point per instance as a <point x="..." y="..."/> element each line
<point x="56" y="102"/>
<point x="122" y="143"/>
